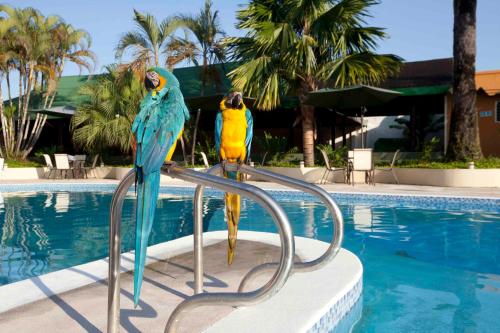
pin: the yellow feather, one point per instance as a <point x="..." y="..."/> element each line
<point x="234" y="132"/>
<point x="172" y="149"/>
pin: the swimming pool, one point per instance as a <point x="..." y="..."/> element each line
<point x="431" y="264"/>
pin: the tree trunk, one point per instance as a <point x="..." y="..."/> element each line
<point x="35" y="134"/>
<point x="7" y="76"/>
<point x="308" y="120"/>
<point x="19" y="101"/>
<point x="195" y="131"/>
<point x="308" y="133"/>
<point x="3" y="125"/>
<point x="54" y="93"/>
<point x="464" y="132"/>
<point x="25" y="121"/>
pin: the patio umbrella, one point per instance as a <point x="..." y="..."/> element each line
<point x="355" y="97"/>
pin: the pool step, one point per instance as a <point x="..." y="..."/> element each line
<point x="306" y="302"/>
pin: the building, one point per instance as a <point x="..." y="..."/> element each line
<point x="488" y="108"/>
<point x="426" y="88"/>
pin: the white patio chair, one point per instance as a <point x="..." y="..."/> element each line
<point x="263" y="161"/>
<point x="391" y="168"/>
<point x="62" y="165"/>
<point x="91" y="168"/>
<point x="362" y="160"/>
<point x="329" y="168"/>
<point x="205" y="160"/>
<point x="79" y="165"/>
<point x="350" y="156"/>
<point x="49" y="165"/>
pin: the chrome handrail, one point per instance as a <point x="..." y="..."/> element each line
<point x="115" y="219"/>
<point x="198" y="231"/>
<point x="232" y="299"/>
<point x="330" y="253"/>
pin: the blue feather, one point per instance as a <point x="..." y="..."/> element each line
<point x="249" y="136"/>
<point x="218" y="131"/>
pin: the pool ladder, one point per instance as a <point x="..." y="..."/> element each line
<point x="212" y="178"/>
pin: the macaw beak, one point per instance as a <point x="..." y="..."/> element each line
<point x="152" y="80"/>
<point x="237" y="101"/>
<point x="234" y="100"/>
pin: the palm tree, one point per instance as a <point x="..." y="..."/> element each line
<point x="464" y="132"/>
<point x="28" y="40"/>
<point x="146" y="42"/>
<point x="6" y="57"/>
<point x="298" y="46"/>
<point x="68" y="44"/>
<point x="205" y="27"/>
<point x="106" y="118"/>
<point x="33" y="45"/>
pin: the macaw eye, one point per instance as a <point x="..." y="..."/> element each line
<point x="152" y="80"/>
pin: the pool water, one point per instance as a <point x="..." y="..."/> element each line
<point x="425" y="269"/>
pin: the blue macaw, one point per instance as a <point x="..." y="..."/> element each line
<point x="157" y="127"/>
<point x="233" y="140"/>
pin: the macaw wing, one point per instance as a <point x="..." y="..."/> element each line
<point x="249" y="136"/>
<point x="157" y="127"/>
<point x="218" y="131"/>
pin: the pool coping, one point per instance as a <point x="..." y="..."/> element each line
<point x="418" y="200"/>
<point x="11" y="187"/>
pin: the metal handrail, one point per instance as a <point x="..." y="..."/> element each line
<point x="115" y="219"/>
<point x="328" y="255"/>
<point x="232" y="299"/>
<point x="198" y="231"/>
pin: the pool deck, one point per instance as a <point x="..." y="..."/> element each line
<point x="336" y="187"/>
<point x="169" y="280"/>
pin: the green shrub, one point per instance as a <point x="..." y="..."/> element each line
<point x="206" y="145"/>
<point x="276" y="149"/>
<point x="428" y="148"/>
<point x="11" y="163"/>
<point x="486" y="163"/>
<point x="337" y="157"/>
<point x="391" y="144"/>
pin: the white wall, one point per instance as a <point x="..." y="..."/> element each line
<point x="378" y="127"/>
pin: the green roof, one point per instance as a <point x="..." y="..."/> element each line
<point x="67" y="90"/>
<point x="189" y="79"/>
<point x="425" y="90"/>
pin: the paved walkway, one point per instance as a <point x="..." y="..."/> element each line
<point x="336" y="187"/>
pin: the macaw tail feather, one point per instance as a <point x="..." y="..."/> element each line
<point x="147" y="196"/>
<point x="233" y="216"/>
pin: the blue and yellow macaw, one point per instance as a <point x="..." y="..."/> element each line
<point x="233" y="139"/>
<point x="157" y="127"/>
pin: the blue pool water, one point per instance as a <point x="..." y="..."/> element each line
<point x="430" y="265"/>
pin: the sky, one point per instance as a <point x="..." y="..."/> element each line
<point x="417" y="29"/>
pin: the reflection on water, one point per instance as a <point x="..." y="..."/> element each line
<point x="43" y="232"/>
<point x="425" y="270"/>
<point x="62" y="202"/>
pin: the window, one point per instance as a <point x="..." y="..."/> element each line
<point x="497" y="112"/>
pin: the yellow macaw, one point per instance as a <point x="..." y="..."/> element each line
<point x="233" y="139"/>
